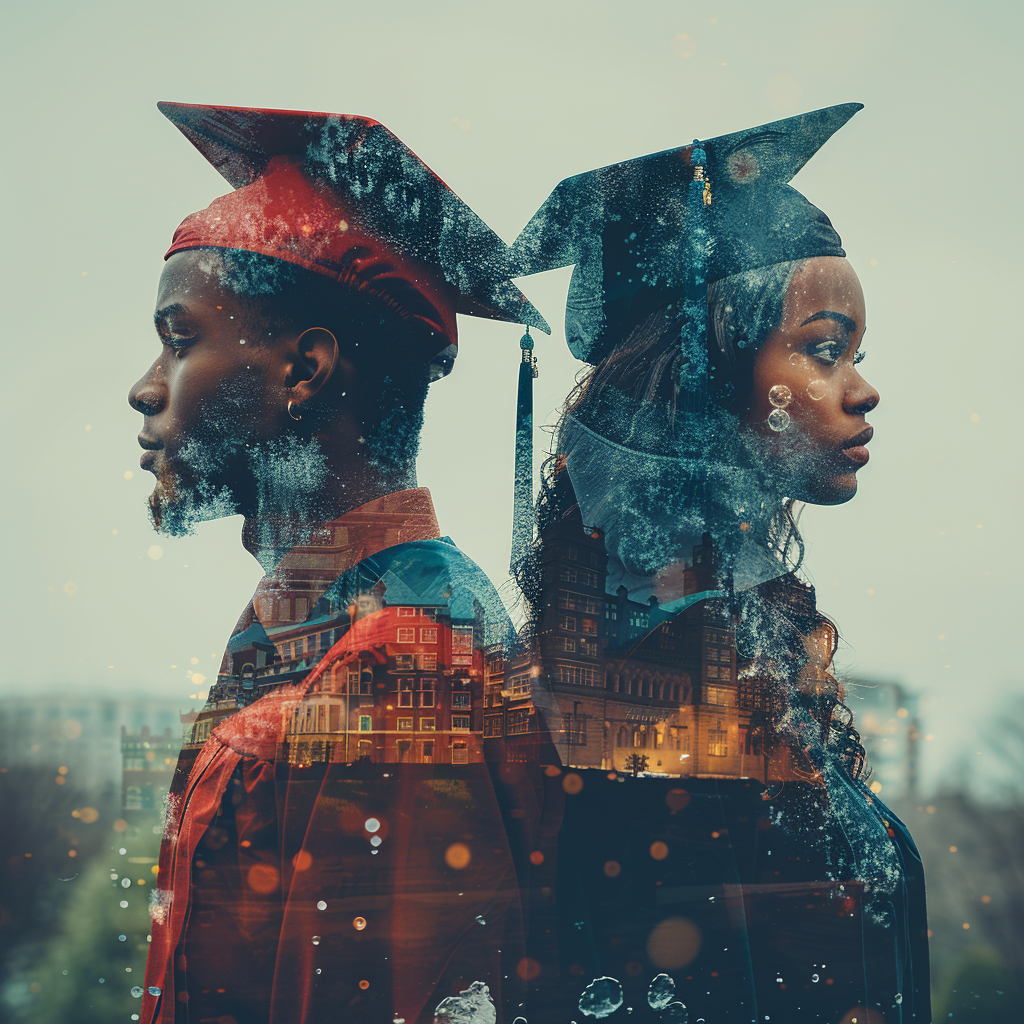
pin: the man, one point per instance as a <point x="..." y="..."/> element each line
<point x="333" y="843"/>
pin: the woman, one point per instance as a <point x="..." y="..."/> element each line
<point x="757" y="878"/>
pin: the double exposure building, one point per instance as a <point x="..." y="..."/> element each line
<point x="410" y="689"/>
<point x="624" y="685"/>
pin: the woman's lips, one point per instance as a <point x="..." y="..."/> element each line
<point x="855" y="449"/>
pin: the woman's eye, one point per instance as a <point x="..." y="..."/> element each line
<point x="827" y="351"/>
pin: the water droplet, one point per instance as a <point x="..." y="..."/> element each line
<point x="359" y="923"/>
<point x="794" y="358"/>
<point x="660" y="994"/>
<point x="899" y="998"/>
<point x="815" y="978"/>
<point x="817" y="390"/>
<point x="601" y="998"/>
<point x="155" y="990"/>
<point x="480" y="919"/>
<point x="124" y="904"/>
<point x="519" y="1020"/>
<point x="122" y="851"/>
<point x="376" y="841"/>
<point x="102" y="980"/>
<point x="137" y="992"/>
<point x="126" y="883"/>
<point x="779" y="979"/>
<point x="318" y="970"/>
<point x="778" y="419"/>
<point x="371" y="824"/>
<point x="316" y="940"/>
<point x="677" y="1013"/>
<point x="321" y="905"/>
<point x="122" y="938"/>
<point x="780" y="396"/>
<point x="472" y="1005"/>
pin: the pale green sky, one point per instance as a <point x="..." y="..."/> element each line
<point x="503" y="101"/>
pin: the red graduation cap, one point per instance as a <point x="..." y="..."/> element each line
<point x="340" y="195"/>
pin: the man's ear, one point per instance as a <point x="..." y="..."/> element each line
<point x="314" y="360"/>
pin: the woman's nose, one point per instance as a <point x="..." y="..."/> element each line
<point x="861" y="398"/>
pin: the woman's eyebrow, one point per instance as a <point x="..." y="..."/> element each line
<point x="845" y="322"/>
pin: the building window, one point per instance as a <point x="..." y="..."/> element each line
<point x="567" y="573"/>
<point x="461" y="700"/>
<point x="365" y="723"/>
<point x="462" y="639"/>
<point x="712" y="671"/>
<point x="518" y="722"/>
<point x="428" y="724"/>
<point x="520" y="685"/>
<point x="428" y="750"/>
<point x="404" y="662"/>
<point x="427" y="699"/>
<point x="404" y="613"/>
<point x="301" y="608"/>
<point x="724" y="695"/>
<point x="405" y="725"/>
<point x="572" y="553"/>
<point x="565" y="643"/>
<point x="567" y="622"/>
<point x="718" y="741"/>
<point x="622" y="737"/>
<point x="588" y="649"/>
<point x="326" y="640"/>
<point x="590" y="627"/>
<point x="492" y="725"/>
<point x="460" y="753"/>
<point x="334" y="718"/>
<point x="724" y="672"/>
<point x="426" y="662"/>
<point x="428" y="635"/>
<point x="406" y="635"/>
<point x="577" y="675"/>
<point x="404" y="698"/>
<point x="460" y="723"/>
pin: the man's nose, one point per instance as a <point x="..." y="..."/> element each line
<point x="147" y="396"/>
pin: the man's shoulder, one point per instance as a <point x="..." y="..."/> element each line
<point x="437" y="573"/>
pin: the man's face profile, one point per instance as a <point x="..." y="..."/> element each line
<point x="206" y="398"/>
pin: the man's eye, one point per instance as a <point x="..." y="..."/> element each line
<point x="177" y="344"/>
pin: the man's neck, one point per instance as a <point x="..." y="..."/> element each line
<point x="281" y="520"/>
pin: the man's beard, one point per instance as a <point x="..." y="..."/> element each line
<point x="182" y="499"/>
<point x="285" y="477"/>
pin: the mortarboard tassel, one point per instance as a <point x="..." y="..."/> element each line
<point x="522" y="500"/>
<point x="694" y="382"/>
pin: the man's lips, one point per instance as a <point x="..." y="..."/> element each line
<point x="855" y="449"/>
<point x="149" y="455"/>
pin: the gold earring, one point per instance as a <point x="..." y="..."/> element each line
<point x="291" y="402"/>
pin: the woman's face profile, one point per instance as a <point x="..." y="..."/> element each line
<point x="809" y="401"/>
